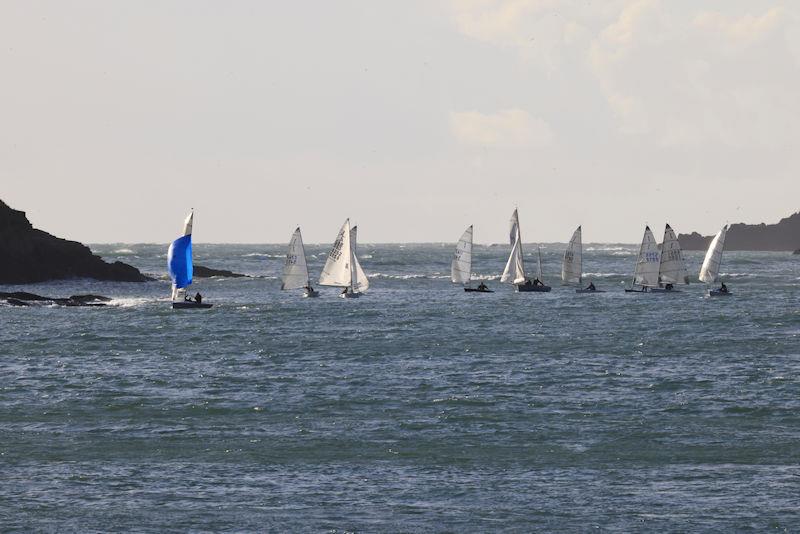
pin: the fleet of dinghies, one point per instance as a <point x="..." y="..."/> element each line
<point x="658" y="267"/>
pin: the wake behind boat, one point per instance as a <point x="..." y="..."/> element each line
<point x="461" y="266"/>
<point x="514" y="272"/>
<point x="179" y="264"/>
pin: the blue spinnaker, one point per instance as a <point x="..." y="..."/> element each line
<point x="179" y="261"/>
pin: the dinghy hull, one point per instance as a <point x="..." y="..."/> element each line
<point x="310" y="294"/>
<point x="588" y="291"/>
<point x="190" y="306"/>
<point x="476" y="290"/>
<point x="349" y="295"/>
<point x="530" y="288"/>
<point x="718" y="293"/>
<point x="663" y="290"/>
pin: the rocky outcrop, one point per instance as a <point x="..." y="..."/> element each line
<point x="198" y="271"/>
<point x="785" y="235"/>
<point x="28" y="255"/>
<point x="22" y="298"/>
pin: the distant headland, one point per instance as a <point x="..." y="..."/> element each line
<point x="785" y="235"/>
<point x="30" y="255"/>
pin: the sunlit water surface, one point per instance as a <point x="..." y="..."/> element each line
<point x="415" y="408"/>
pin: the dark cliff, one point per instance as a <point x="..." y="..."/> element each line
<point x="28" y="255"/>
<point x="785" y="235"/>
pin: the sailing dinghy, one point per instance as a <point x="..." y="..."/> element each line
<point x="295" y="267"/>
<point x="572" y="266"/>
<point x="645" y="276"/>
<point x="671" y="267"/>
<point x="342" y="268"/>
<point x="514" y="272"/>
<point x="709" y="272"/>
<point x="179" y="264"/>
<point x="461" y="266"/>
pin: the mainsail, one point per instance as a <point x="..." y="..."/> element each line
<point x="515" y="269"/>
<point x="672" y="269"/>
<point x="461" y="267"/>
<point x="361" y="282"/>
<point x="295" y="268"/>
<point x="539" y="264"/>
<point x="337" y="271"/>
<point x="647" y="263"/>
<point x="709" y="272"/>
<point x="572" y="265"/>
<point x="179" y="258"/>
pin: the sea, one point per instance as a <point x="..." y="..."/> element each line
<point x="415" y="408"/>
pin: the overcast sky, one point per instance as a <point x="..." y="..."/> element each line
<point x="414" y="118"/>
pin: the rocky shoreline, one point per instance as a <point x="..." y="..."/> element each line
<point x="23" y="298"/>
<point x="30" y="255"/>
<point x="783" y="236"/>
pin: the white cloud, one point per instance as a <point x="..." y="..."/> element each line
<point x="511" y="128"/>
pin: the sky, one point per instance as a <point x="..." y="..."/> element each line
<point x="414" y="118"/>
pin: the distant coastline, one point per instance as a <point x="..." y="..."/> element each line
<point x="783" y="236"/>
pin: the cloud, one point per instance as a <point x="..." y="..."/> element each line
<point x="691" y="79"/>
<point x="511" y="129"/>
<point x="740" y="31"/>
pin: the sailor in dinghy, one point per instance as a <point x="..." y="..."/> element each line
<point x="179" y="264"/>
<point x="295" y="267"/>
<point x="671" y="268"/>
<point x="461" y="266"/>
<point x="709" y="272"/>
<point x="514" y="272"/>
<point x="342" y="268"/>
<point x="572" y="265"/>
<point x="647" y="263"/>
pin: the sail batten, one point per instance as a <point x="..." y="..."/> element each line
<point x="709" y="272"/>
<point x="672" y="268"/>
<point x="461" y="266"/>
<point x="572" y="266"/>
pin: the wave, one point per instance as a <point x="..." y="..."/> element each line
<point x="431" y="276"/>
<point x="122" y="251"/>
<point x="604" y="275"/>
<point x="263" y="255"/>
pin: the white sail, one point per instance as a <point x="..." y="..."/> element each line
<point x="461" y="267"/>
<point x="515" y="267"/>
<point x="539" y="264"/>
<point x="672" y="268"/>
<point x="360" y="280"/>
<point x="709" y="272"/>
<point x="337" y="270"/>
<point x="295" y="269"/>
<point x="647" y="263"/>
<point x="187" y="224"/>
<point x="514" y="271"/>
<point x="571" y="267"/>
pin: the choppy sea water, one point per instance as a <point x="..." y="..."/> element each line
<point x="415" y="408"/>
